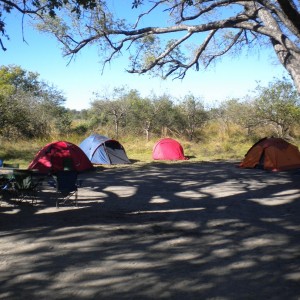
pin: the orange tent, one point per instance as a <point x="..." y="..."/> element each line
<point x="274" y="154"/>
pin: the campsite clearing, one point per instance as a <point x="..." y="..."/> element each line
<point x="205" y="230"/>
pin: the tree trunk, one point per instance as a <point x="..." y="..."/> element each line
<point x="147" y="130"/>
<point x="117" y="128"/>
<point x="147" y="135"/>
<point x="283" y="47"/>
<point x="291" y="62"/>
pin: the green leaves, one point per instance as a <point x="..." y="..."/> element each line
<point x="28" y="106"/>
<point x="278" y="106"/>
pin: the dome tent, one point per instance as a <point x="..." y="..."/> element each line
<point x="274" y="154"/>
<point x="103" y="150"/>
<point x="168" y="149"/>
<point x="57" y="156"/>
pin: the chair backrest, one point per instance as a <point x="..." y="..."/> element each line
<point x="23" y="179"/>
<point x="68" y="164"/>
<point x="66" y="181"/>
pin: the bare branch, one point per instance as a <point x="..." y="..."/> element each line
<point x="22" y="10"/>
<point x="207" y="9"/>
<point x="221" y="53"/>
<point x="245" y="21"/>
<point x="147" y="12"/>
<point x="2" y="46"/>
<point x="163" y="55"/>
<point x="196" y="57"/>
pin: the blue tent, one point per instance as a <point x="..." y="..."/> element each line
<point x="103" y="150"/>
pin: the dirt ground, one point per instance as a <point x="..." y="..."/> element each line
<point x="204" y="230"/>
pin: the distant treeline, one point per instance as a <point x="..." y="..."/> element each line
<point x="30" y="108"/>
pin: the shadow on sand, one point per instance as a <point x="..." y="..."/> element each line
<point x="163" y="231"/>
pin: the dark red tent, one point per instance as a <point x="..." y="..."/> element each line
<point x="58" y="156"/>
<point x="168" y="149"/>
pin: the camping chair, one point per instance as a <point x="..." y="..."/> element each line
<point x="68" y="164"/>
<point x="66" y="185"/>
<point x="5" y="187"/>
<point x="25" y="185"/>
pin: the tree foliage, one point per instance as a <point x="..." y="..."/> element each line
<point x="273" y="109"/>
<point x="239" y="112"/>
<point x="151" y="115"/>
<point x="14" y="78"/>
<point x="278" y="105"/>
<point x="28" y="106"/>
<point x="141" y="116"/>
<point x="168" y="38"/>
<point x="194" y="114"/>
<point x="41" y="9"/>
<point x="112" y="109"/>
<point x="181" y="35"/>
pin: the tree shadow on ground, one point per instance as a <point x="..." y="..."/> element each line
<point x="163" y="231"/>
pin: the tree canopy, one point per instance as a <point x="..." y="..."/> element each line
<point x="278" y="106"/>
<point x="271" y="110"/>
<point x="28" y="106"/>
<point x="180" y="35"/>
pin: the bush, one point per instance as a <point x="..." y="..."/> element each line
<point x="81" y="129"/>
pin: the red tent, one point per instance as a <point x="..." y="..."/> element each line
<point x="57" y="156"/>
<point x="168" y="149"/>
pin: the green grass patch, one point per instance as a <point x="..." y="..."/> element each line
<point x="138" y="150"/>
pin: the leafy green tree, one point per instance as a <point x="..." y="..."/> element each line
<point x="167" y="114"/>
<point x="63" y="122"/>
<point x="14" y="78"/>
<point x="235" y="111"/>
<point x="278" y="105"/>
<point x="28" y="106"/>
<point x="141" y="115"/>
<point x="19" y="116"/>
<point x="40" y="9"/>
<point x="148" y="115"/>
<point x="112" y="110"/>
<point x="194" y="115"/>
<point x="186" y="34"/>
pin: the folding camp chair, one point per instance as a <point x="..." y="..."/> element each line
<point x="5" y="187"/>
<point x="68" y="164"/>
<point x="25" y="185"/>
<point x="66" y="185"/>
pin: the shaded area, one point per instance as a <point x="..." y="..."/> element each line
<point x="164" y="231"/>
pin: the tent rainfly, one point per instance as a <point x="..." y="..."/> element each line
<point x="168" y="149"/>
<point x="58" y="156"/>
<point x="103" y="150"/>
<point x="273" y="154"/>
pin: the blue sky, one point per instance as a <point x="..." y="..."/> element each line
<point x="79" y="80"/>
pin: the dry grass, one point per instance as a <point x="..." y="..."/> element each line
<point x="213" y="147"/>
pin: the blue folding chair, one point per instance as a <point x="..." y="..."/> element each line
<point x="5" y="187"/>
<point x="66" y="185"/>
